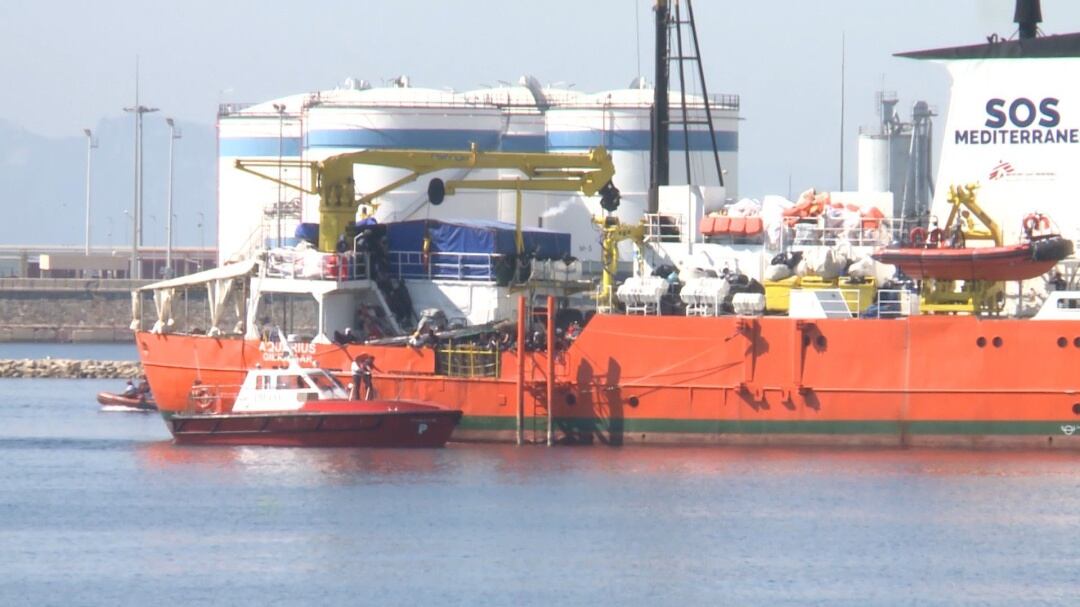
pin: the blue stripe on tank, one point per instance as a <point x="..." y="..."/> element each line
<point x="249" y="147"/>
<point x="640" y="140"/>
<point x="523" y="143"/>
<point x="413" y="139"/>
<point x="461" y="139"/>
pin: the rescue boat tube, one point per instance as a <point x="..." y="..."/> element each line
<point x="1053" y="248"/>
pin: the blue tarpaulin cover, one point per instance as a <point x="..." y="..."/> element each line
<point x="475" y="236"/>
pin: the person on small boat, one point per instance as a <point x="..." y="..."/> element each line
<point x="142" y="391"/>
<point x="130" y="391"/>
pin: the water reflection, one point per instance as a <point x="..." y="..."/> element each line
<point x="296" y="465"/>
<point x="513" y="464"/>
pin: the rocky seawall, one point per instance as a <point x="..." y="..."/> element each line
<point x="70" y="369"/>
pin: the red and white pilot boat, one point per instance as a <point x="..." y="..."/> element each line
<point x="295" y="406"/>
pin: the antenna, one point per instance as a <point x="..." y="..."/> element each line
<point x="637" y="34"/>
<point x="290" y="354"/>
<point x="843" y="74"/>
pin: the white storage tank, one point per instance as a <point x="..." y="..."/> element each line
<point x="620" y="120"/>
<point x="249" y="208"/>
<point x="401" y="117"/>
<point x="523" y="108"/>
<point x="883" y="162"/>
<point x="525" y="117"/>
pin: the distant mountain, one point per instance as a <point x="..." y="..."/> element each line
<point x="43" y="182"/>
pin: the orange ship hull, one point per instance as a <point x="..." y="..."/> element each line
<point x="923" y="380"/>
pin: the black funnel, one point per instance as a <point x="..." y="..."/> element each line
<point x="1028" y="16"/>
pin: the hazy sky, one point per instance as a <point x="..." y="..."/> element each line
<point x="69" y="64"/>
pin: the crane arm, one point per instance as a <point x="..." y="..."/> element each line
<point x="333" y="182"/>
<point x="964" y="196"/>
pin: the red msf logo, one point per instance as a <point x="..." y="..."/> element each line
<point x="1003" y="169"/>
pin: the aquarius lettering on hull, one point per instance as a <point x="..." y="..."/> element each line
<point x="275" y="351"/>
<point x="1019" y="122"/>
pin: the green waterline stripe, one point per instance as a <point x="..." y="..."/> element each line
<point x="693" y="426"/>
<point x="687" y="426"/>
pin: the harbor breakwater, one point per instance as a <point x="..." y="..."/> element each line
<point x="70" y="369"/>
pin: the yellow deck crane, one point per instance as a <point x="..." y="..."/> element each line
<point x="982" y="297"/>
<point x="612" y="233"/>
<point x="589" y="173"/>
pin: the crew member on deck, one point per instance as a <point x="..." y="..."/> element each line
<point x="362" y="367"/>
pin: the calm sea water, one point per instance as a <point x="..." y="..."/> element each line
<point x="101" y="509"/>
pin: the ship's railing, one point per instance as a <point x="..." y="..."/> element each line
<point x="315" y="265"/>
<point x="721" y="101"/>
<point x="227" y="109"/>
<point x="726" y="101"/>
<point x="467" y="360"/>
<point x="449" y="266"/>
<point x="664" y="227"/>
<point x="605" y="302"/>
<point x="869" y="233"/>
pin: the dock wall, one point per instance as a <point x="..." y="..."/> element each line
<point x="66" y="310"/>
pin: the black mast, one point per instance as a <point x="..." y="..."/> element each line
<point x="658" y="168"/>
<point x="1028" y="15"/>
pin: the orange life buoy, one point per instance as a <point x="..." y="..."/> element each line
<point x="204" y="403"/>
<point x="935" y="237"/>
<point x="331" y="267"/>
<point x="917" y="236"/>
<point x="1036" y="221"/>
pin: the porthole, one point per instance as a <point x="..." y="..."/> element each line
<point x="981" y="342"/>
<point x="1076" y="408"/>
<point x="571" y="399"/>
<point x="1076" y="342"/>
<point x="997" y="342"/>
<point x="632" y="401"/>
<point x="1062" y="342"/>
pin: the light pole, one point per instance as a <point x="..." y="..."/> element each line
<point x="174" y="134"/>
<point x="138" y="110"/>
<point x="131" y="217"/>
<point x="202" y="239"/>
<point x="91" y="143"/>
<point x="280" y="109"/>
